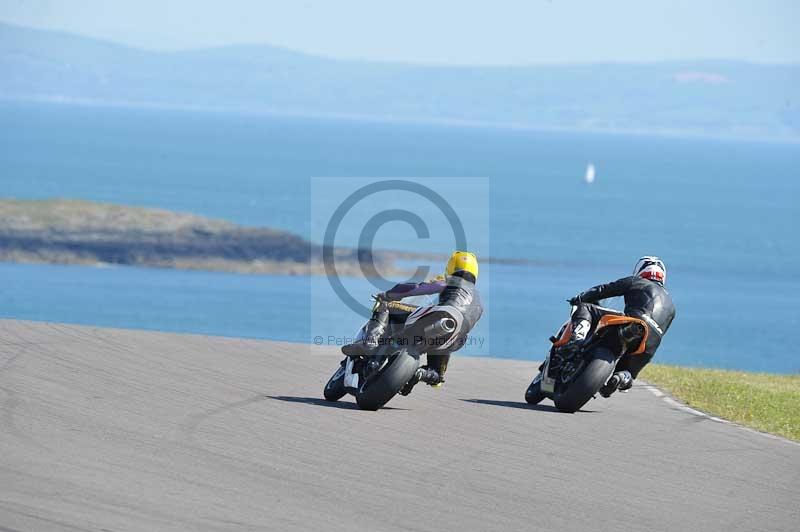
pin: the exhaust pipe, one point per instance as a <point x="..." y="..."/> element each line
<point x="440" y="328"/>
<point x="630" y="334"/>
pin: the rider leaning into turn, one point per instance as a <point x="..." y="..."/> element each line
<point x="645" y="298"/>
<point x="456" y="288"/>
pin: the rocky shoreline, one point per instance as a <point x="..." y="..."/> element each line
<point x="63" y="231"/>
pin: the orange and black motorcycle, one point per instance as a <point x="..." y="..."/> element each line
<point x="571" y="377"/>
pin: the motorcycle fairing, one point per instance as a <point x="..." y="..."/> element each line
<point x="613" y="319"/>
<point x="606" y="321"/>
<point x="566" y="332"/>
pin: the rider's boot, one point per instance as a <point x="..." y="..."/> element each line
<point x="579" y="331"/>
<point x="370" y="340"/>
<point x="429" y="376"/>
<point x="424" y="374"/>
<point x="439" y="364"/>
<point x="621" y="380"/>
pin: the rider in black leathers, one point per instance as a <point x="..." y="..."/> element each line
<point x="645" y="298"/>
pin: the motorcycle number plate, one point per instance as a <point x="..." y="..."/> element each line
<point x="548" y="384"/>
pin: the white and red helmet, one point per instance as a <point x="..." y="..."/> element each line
<point x="652" y="268"/>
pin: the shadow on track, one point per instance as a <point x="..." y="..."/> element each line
<point x="520" y="404"/>
<point x="322" y="402"/>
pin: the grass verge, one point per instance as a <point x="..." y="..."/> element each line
<point x="763" y="401"/>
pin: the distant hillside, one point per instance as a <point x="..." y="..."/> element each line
<point x="704" y="97"/>
<point x="84" y="232"/>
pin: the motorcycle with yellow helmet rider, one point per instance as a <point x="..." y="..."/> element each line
<point x="383" y="360"/>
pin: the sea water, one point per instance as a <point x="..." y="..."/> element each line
<point x="722" y="213"/>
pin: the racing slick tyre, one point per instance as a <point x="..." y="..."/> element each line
<point x="384" y="384"/>
<point x="576" y="393"/>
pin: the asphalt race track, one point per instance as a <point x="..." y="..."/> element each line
<point x="112" y="430"/>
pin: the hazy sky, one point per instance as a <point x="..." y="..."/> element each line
<point x="442" y="31"/>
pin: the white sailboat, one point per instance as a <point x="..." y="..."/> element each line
<point x="589" y="177"/>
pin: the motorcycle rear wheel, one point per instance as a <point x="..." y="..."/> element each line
<point x="583" y="387"/>
<point x="380" y="387"/>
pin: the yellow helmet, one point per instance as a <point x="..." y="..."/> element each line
<point x="462" y="261"/>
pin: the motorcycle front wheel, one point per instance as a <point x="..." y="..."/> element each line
<point x="381" y="386"/>
<point x="534" y="393"/>
<point x="576" y="393"/>
<point x="334" y="388"/>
